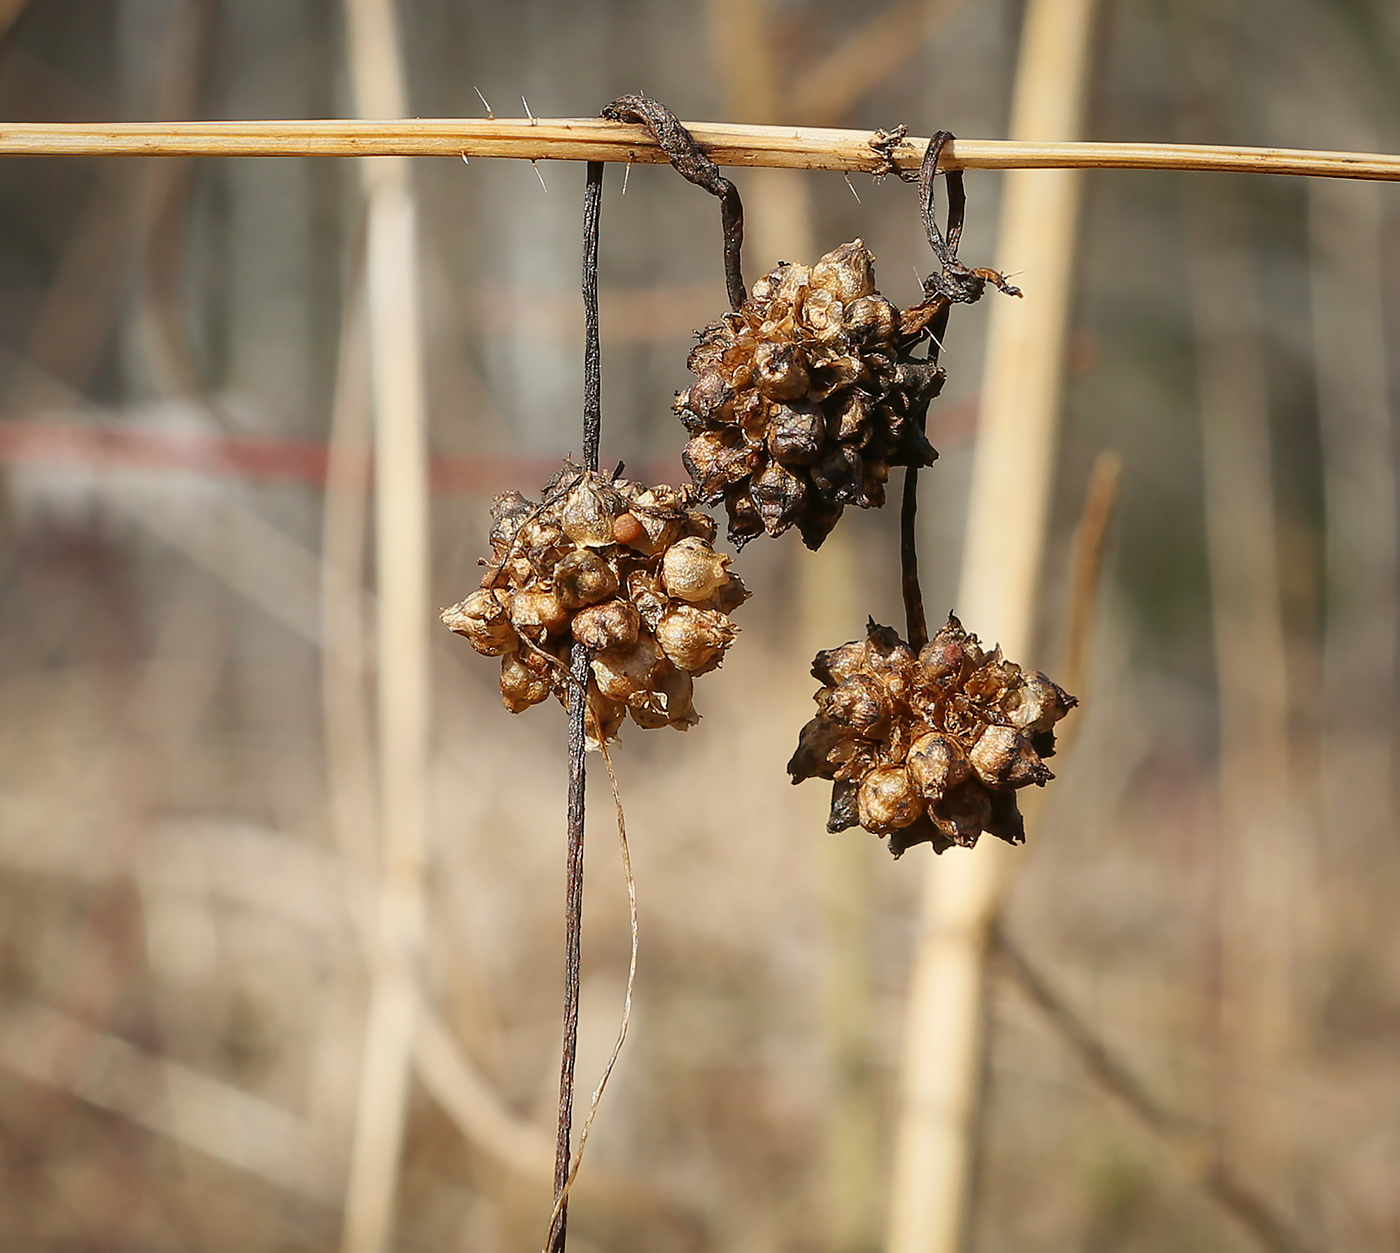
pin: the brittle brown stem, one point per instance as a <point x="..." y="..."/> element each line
<point x="578" y="712"/>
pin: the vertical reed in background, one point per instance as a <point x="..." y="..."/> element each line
<point x="779" y="227"/>
<point x="401" y="558"/>
<point x="1012" y="475"/>
<point x="1257" y="839"/>
<point x="1359" y="494"/>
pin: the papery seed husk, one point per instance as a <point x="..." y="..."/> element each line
<point x="871" y="318"/>
<point x="521" y="687"/>
<point x="583" y="577"/>
<point x="823" y="314"/>
<point x="1038" y="703"/>
<point x="836" y="665"/>
<point x="727" y="597"/>
<point x="780" y="370"/>
<point x="796" y="434"/>
<point x="628" y="674"/>
<point x="694" y="639"/>
<point x="888" y="800"/>
<point x="847" y="272"/>
<point x="860" y="703"/>
<point x="612" y="624"/>
<point x="779" y="495"/>
<point x="692" y="570"/>
<point x="936" y="763"/>
<point x="815" y="744"/>
<point x="845" y="809"/>
<point x="1003" y="757"/>
<point x="483" y="619"/>
<point x="537" y="614"/>
<point x="588" y="513"/>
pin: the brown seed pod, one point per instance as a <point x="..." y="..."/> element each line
<point x="625" y="570"/>
<point x="783" y="411"/>
<point x="928" y="749"/>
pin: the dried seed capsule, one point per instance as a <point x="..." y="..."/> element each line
<point x="847" y="272"/>
<point x="537" y="614"/>
<point x="778" y="494"/>
<point x="692" y="570"/>
<point x="871" y="319"/>
<point x="1003" y="757"/>
<point x="936" y="764"/>
<point x="588" y="513"/>
<point x="1037" y="703"/>
<point x="888" y="799"/>
<point x="611" y="624"/>
<point x="780" y="370"/>
<point x="694" y="639"/>
<point x="482" y="618"/>
<point x="796" y="434"/>
<point x="861" y="703"/>
<point x="822" y="315"/>
<point x="815" y="745"/>
<point x="631" y="673"/>
<point x="583" y="577"/>
<point x="521" y="687"/>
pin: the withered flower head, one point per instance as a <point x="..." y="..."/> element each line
<point x="928" y="748"/>
<point x="623" y="569"/>
<point x="805" y="398"/>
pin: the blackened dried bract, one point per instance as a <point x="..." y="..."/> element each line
<point x="928" y="748"/>
<point x="804" y="398"/>
<point x="623" y="569"/>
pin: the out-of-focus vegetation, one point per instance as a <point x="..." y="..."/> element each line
<point x="1211" y="877"/>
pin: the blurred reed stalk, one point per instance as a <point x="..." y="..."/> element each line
<point x="1257" y="844"/>
<point x="779" y="226"/>
<point x="1257" y="887"/>
<point x="941" y="1064"/>
<point x="1359" y="498"/>
<point x="401" y="552"/>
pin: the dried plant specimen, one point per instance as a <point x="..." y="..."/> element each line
<point x="805" y="397"/>
<point x="928" y="748"/>
<point x="626" y="570"/>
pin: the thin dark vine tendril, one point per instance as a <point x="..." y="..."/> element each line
<point x="953" y="283"/>
<point x="686" y="155"/>
<point x="578" y="712"/>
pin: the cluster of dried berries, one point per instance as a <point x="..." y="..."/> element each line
<point x="625" y="570"/>
<point x="928" y="748"/>
<point x="805" y="398"/>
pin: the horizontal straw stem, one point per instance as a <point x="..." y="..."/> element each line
<point x="596" y="139"/>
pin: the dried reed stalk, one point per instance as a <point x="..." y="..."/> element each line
<point x="401" y="546"/>
<point x="1012" y="474"/>
<point x="595" y="139"/>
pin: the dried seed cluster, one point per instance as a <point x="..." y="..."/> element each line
<point x="627" y="571"/>
<point x="929" y="748"/>
<point x="804" y="399"/>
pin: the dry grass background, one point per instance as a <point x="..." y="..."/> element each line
<point x="182" y="980"/>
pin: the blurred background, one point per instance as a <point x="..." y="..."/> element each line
<point x="187" y="774"/>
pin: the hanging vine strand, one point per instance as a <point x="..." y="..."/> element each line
<point x="686" y="155"/>
<point x="952" y="283"/>
<point x="578" y="713"/>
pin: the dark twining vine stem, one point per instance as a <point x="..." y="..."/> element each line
<point x="578" y="708"/>
<point x="685" y="154"/>
<point x="952" y="283"/>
